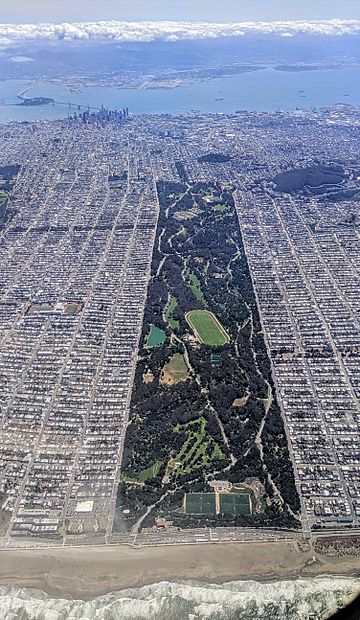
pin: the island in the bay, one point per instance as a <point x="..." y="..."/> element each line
<point x="35" y="101"/>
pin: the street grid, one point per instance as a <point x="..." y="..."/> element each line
<point x="83" y="221"/>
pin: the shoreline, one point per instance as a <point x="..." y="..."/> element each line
<point x="179" y="99"/>
<point x="88" y="572"/>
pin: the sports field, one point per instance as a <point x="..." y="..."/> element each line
<point x="207" y="328"/>
<point x="200" y="503"/>
<point x="175" y="370"/>
<point x="71" y="309"/>
<point x="235" y="503"/>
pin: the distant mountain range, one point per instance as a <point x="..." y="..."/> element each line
<point x="164" y="59"/>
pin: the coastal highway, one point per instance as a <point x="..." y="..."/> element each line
<point x="158" y="537"/>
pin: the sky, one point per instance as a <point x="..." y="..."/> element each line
<point x="32" y="11"/>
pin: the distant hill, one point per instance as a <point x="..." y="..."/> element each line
<point x="312" y="176"/>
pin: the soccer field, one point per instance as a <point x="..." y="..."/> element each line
<point x="207" y="328"/>
<point x="200" y="503"/>
<point x="235" y="503"/>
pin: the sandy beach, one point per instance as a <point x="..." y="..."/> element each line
<point x="86" y="572"/>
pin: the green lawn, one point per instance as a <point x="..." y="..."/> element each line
<point x="220" y="207"/>
<point x="207" y="328"/>
<point x="3" y="197"/>
<point x="207" y="192"/>
<point x="71" y="309"/>
<point x="173" y="323"/>
<point x="147" y="474"/>
<point x="156" y="336"/>
<point x="179" y="196"/>
<point x="184" y="215"/>
<point x="177" y="368"/>
<point x="198" y="449"/>
<point x="194" y="284"/>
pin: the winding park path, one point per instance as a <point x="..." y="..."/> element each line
<point x="208" y="330"/>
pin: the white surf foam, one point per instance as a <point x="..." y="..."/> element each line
<point x="302" y="599"/>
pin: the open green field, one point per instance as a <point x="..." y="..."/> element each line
<point x="221" y="208"/>
<point x="184" y="215"/>
<point x="175" y="370"/>
<point x="198" y="449"/>
<point x="194" y="283"/>
<point x="173" y="323"/>
<point x="207" y="328"/>
<point x="177" y="197"/>
<point x="207" y="192"/>
<point x="72" y="309"/>
<point x="236" y="503"/>
<point x="200" y="503"/>
<point x="147" y="474"/>
<point x="3" y="197"/>
<point x="156" y="336"/>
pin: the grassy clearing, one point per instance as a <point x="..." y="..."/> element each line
<point x="185" y="215"/>
<point x="5" y="518"/>
<point x="198" y="449"/>
<point x="193" y="281"/>
<point x="3" y="197"/>
<point x="175" y="370"/>
<point x="207" y="328"/>
<point x="207" y="192"/>
<point x="72" y="309"/>
<point x="179" y="196"/>
<point x="220" y="207"/>
<point x="172" y="323"/>
<point x="147" y="474"/>
<point x="241" y="401"/>
<point x="156" y="336"/>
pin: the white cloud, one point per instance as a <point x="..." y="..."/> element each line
<point x="12" y="34"/>
<point x="21" y="59"/>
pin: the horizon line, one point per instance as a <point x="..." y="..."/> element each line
<point x="123" y="31"/>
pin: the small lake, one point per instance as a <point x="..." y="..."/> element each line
<point x="156" y="336"/>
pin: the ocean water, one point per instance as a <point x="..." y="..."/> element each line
<point x="302" y="599"/>
<point x="265" y="90"/>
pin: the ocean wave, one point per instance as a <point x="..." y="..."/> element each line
<point x="302" y="599"/>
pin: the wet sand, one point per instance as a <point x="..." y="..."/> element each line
<point x="86" y="572"/>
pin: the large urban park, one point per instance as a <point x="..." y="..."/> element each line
<point x="203" y="385"/>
